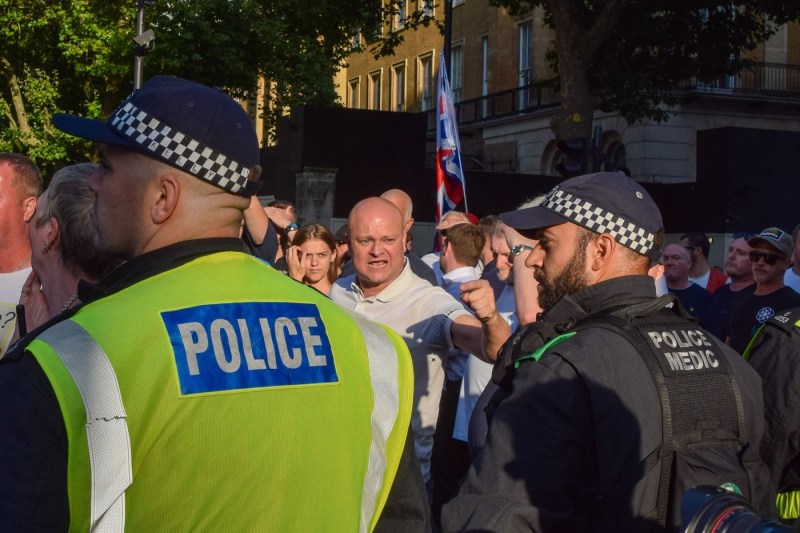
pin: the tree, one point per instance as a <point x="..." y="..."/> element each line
<point x="630" y="56"/>
<point x="76" y="56"/>
<point x="296" y="45"/>
<point x="56" y="55"/>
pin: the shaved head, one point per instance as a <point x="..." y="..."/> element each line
<point x="402" y="201"/>
<point x="377" y="243"/>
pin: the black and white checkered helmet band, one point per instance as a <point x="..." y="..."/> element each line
<point x="599" y="220"/>
<point x="179" y="149"/>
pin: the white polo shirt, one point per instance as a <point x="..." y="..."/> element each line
<point x="10" y="288"/>
<point x="422" y="315"/>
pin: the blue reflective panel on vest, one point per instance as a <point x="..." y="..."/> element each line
<point x="235" y="346"/>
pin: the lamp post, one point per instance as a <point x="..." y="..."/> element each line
<point x="448" y="35"/>
<point x="143" y="41"/>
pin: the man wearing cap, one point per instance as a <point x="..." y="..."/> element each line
<point x="771" y="257"/>
<point x="567" y="447"/>
<point x="195" y="388"/>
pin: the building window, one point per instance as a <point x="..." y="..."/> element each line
<point x="375" y="90"/>
<point x="525" y="62"/>
<point x="456" y="54"/>
<point x="356" y="41"/>
<point x="354" y="88"/>
<point x="458" y="2"/>
<point x="427" y="7"/>
<point x="426" y="81"/>
<point x="400" y="17"/>
<point x="399" y="87"/>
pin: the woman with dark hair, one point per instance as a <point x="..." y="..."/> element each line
<point x="312" y="257"/>
<point x="62" y="244"/>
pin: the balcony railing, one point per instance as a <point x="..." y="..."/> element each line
<point x="526" y="99"/>
<point x="759" y="80"/>
<point x="774" y="80"/>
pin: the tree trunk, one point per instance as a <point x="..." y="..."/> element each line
<point x="17" y="102"/>
<point x="576" y="46"/>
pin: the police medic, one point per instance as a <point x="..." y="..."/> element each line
<point x="614" y="397"/>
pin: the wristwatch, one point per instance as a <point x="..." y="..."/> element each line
<point x="518" y="249"/>
<point x="290" y="227"/>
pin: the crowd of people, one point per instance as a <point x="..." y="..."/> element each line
<point x="177" y="356"/>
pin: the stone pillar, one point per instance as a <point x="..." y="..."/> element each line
<point x="314" y="190"/>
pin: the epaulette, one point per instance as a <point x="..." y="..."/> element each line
<point x="786" y="321"/>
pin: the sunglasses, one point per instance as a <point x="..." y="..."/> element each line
<point x="743" y="235"/>
<point x="769" y="258"/>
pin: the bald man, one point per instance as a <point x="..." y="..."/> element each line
<point x="384" y="289"/>
<point x="403" y="202"/>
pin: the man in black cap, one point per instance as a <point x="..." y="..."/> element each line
<point x="771" y="257"/>
<point x="578" y="441"/>
<point x="196" y="388"/>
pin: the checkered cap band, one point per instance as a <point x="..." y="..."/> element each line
<point x="599" y="220"/>
<point x="179" y="149"/>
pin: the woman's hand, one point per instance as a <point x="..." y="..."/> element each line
<point x="32" y="297"/>
<point x="294" y="262"/>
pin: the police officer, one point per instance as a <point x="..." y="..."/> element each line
<point x="576" y="445"/>
<point x="774" y="352"/>
<point x="196" y="388"/>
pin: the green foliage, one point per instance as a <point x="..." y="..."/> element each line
<point x="76" y="56"/>
<point x="636" y="53"/>
<point x="58" y="55"/>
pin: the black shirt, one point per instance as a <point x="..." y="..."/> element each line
<point x="751" y="311"/>
<point x="694" y="299"/>
<point x="719" y="310"/>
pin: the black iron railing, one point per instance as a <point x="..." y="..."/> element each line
<point x="520" y="100"/>
<point x="758" y="80"/>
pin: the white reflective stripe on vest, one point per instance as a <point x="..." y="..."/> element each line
<point x="384" y="374"/>
<point x="106" y="427"/>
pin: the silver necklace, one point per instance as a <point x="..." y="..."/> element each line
<point x="69" y="302"/>
<point x="22" y="263"/>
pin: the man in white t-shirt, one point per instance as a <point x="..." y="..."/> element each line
<point x="792" y="276"/>
<point x="384" y="289"/>
<point x="20" y="185"/>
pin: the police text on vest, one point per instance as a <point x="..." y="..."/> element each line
<point x="224" y="347"/>
<point x="687" y="349"/>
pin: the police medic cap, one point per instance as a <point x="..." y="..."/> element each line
<point x="197" y="129"/>
<point x="775" y="237"/>
<point x="606" y="202"/>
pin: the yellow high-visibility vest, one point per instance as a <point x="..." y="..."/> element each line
<point x="223" y="396"/>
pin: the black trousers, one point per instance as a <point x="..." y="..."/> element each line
<point x="450" y="458"/>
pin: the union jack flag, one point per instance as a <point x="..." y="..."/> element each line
<point x="450" y="185"/>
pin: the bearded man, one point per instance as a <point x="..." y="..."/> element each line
<point x="578" y="441"/>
